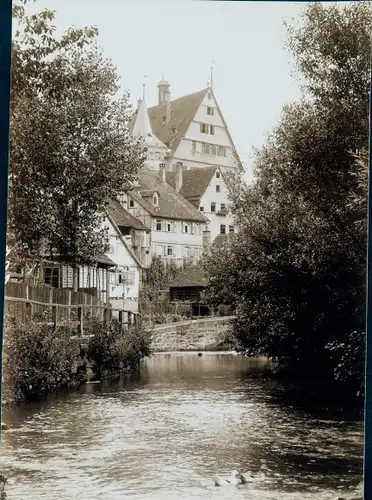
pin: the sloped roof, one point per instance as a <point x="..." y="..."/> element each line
<point x="140" y="127"/>
<point x="182" y="112"/>
<point x="123" y="218"/>
<point x="194" y="182"/>
<point x="191" y="276"/>
<point x="171" y="204"/>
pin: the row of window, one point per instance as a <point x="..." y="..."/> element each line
<point x="169" y="251"/>
<point x="222" y="206"/>
<point x="208" y="149"/>
<point x="171" y="226"/>
<point x="223" y="229"/>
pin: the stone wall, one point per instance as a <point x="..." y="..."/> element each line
<point x="196" y="335"/>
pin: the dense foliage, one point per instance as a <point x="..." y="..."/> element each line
<point x="114" y="348"/>
<point x="295" y="274"/>
<point x="70" y="144"/>
<point x="37" y="359"/>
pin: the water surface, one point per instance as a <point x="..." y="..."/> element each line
<point x="164" y="432"/>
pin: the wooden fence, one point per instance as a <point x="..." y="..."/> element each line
<point x="61" y="306"/>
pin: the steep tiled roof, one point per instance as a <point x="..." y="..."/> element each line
<point x="171" y="204"/>
<point x="194" y="183"/>
<point x="191" y="276"/>
<point x="123" y="218"/>
<point x="182" y="112"/>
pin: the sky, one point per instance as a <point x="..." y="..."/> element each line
<point x="252" y="75"/>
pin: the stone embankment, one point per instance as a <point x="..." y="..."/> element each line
<point x="196" y="335"/>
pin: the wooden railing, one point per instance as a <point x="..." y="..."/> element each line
<point x="59" y="306"/>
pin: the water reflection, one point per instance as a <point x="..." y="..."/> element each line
<point x="165" y="431"/>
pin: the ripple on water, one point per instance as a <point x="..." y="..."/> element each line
<point x="165" y="433"/>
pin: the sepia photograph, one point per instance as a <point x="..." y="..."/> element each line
<point x="185" y="292"/>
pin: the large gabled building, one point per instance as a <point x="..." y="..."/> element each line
<point x="194" y="130"/>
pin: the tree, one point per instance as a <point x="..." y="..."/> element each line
<point x="71" y="149"/>
<point x="296" y="272"/>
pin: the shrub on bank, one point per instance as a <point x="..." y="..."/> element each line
<point x="115" y="349"/>
<point x="37" y="359"/>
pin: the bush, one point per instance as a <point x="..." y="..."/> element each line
<point x="114" y="349"/>
<point x="37" y="359"/>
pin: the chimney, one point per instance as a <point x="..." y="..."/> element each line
<point x="162" y="172"/>
<point x="206" y="239"/>
<point x="179" y="172"/>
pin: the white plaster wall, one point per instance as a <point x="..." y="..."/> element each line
<point x="125" y="262"/>
<point x="177" y="239"/>
<point x="211" y="195"/>
<point x="220" y="137"/>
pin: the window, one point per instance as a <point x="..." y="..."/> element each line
<point x="131" y="203"/>
<point x="203" y="128"/>
<point x="217" y="173"/>
<point x="221" y="151"/>
<point x="201" y="208"/>
<point x="206" y="129"/>
<point x="212" y="149"/>
<point x="187" y="251"/>
<point x="218" y="188"/>
<point x="155" y="200"/>
<point x="195" y="228"/>
<point x="158" y="225"/>
<point x="222" y="229"/>
<point x="193" y="146"/>
<point x="51" y="276"/>
<point x="231" y="229"/>
<point x="210" y="111"/>
<point x="160" y="249"/>
<point x="223" y="207"/>
<point x="213" y="206"/>
<point x="186" y="227"/>
<point x="169" y="250"/>
<point x="169" y="226"/>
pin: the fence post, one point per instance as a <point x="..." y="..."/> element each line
<point x="129" y="318"/>
<point x="69" y="304"/>
<point x="29" y="306"/>
<point x="106" y="315"/>
<point x="54" y="316"/>
<point x="121" y="316"/>
<point x="81" y="321"/>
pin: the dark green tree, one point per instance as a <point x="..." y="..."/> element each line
<point x="296" y="272"/>
<point x="70" y="145"/>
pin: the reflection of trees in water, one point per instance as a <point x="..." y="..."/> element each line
<point x="302" y="446"/>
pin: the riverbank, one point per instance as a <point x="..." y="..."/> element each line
<point x="40" y="360"/>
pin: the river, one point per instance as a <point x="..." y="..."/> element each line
<point x="164" y="432"/>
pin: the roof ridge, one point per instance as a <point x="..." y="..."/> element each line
<point x="192" y="94"/>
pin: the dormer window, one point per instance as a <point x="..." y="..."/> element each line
<point x="155" y="200"/>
